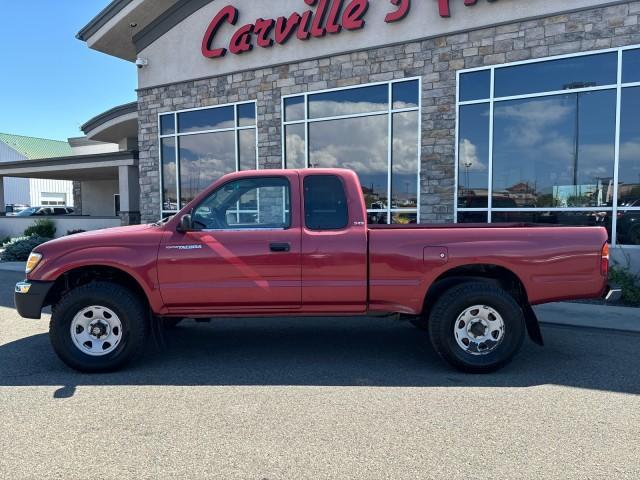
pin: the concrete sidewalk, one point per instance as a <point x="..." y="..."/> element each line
<point x="12" y="266"/>
<point x="590" y="315"/>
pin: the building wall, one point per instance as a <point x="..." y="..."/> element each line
<point x="16" y="190"/>
<point x="436" y="60"/>
<point x="39" y="186"/>
<point x="176" y="55"/>
<point x="97" y="197"/>
<point x="95" y="148"/>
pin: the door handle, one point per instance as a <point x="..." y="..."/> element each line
<point x="280" y="247"/>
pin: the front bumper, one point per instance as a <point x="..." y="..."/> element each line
<point x="29" y="298"/>
<point x="612" y="294"/>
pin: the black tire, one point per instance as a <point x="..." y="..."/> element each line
<point x="453" y="303"/>
<point x="129" y="308"/>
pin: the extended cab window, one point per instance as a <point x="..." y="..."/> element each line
<point x="248" y="203"/>
<point x="325" y="203"/>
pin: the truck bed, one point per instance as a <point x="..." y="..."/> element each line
<point x="553" y="262"/>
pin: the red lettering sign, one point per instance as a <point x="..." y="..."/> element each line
<point x="228" y="14"/>
<point x="329" y="17"/>
<point x="403" y="10"/>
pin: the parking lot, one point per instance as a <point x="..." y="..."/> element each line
<point x="318" y="398"/>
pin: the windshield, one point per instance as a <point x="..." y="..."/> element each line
<point x="27" y="212"/>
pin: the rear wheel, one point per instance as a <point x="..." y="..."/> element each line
<point x="98" y="327"/>
<point x="477" y="327"/>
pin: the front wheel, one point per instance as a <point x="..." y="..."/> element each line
<point x="98" y="327"/>
<point x="477" y="327"/>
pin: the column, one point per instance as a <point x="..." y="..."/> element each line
<point x="129" y="180"/>
<point x="2" y="205"/>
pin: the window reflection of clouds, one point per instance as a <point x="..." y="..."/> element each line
<point x="359" y="144"/>
<point x="203" y="159"/>
<point x="206" y="119"/>
<point x="404" y="160"/>
<point x="169" y="179"/>
<point x="295" y="150"/>
<point x="629" y="169"/>
<point x="294" y="108"/>
<point x="555" y="151"/>
<point x="350" y="128"/>
<point x="406" y="94"/>
<point x="473" y="156"/>
<point x="247" y="149"/>
<point x="205" y="156"/>
<point x="349" y="102"/>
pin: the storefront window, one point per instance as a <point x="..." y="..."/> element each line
<point x="629" y="169"/>
<point x="406" y="94"/>
<point x="473" y="156"/>
<point x="360" y="144"/>
<point x="373" y="130"/>
<point x="206" y="144"/>
<point x="475" y="85"/>
<point x="631" y="66"/>
<point x="550" y="154"/>
<point x="167" y="124"/>
<point x="555" y="151"/>
<point x="338" y="103"/>
<point x="169" y="175"/>
<point x="556" y="75"/>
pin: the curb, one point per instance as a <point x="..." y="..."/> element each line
<point x="12" y="267"/>
<point x="623" y="319"/>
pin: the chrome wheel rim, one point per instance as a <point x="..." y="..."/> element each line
<point x="96" y="331"/>
<point x="479" y="330"/>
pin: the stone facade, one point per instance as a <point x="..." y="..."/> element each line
<point x="436" y="60"/>
<point x="77" y="197"/>
<point x="132" y="218"/>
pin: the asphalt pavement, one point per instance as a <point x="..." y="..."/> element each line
<point x="318" y="398"/>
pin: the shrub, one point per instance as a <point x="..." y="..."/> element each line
<point x="4" y="241"/>
<point x="74" y="232"/>
<point x="43" y="227"/>
<point x="629" y="283"/>
<point x="18" y="249"/>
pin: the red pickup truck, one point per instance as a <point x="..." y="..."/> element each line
<point x="296" y="242"/>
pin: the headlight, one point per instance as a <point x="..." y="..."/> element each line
<point x="33" y="261"/>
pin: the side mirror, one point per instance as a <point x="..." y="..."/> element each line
<point x="186" y="225"/>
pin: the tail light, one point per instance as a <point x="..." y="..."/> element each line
<point x="604" y="260"/>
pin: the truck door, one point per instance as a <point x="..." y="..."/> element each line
<point x="244" y="253"/>
<point x="334" y="245"/>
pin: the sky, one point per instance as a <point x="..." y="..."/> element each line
<point x="50" y="82"/>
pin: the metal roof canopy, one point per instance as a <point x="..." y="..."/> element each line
<point x="78" y="167"/>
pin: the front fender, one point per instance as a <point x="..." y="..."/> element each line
<point x="139" y="263"/>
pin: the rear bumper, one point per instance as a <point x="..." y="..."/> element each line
<point x="29" y="298"/>
<point x="612" y="294"/>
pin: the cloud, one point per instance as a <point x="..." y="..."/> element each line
<point x="295" y="147"/>
<point x="468" y="156"/>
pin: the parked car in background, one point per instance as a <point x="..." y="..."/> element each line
<point x="45" y="211"/>
<point x="13" y="210"/>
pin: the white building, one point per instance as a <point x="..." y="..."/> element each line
<point x="34" y="191"/>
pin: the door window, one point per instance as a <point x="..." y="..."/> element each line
<point x="246" y="204"/>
